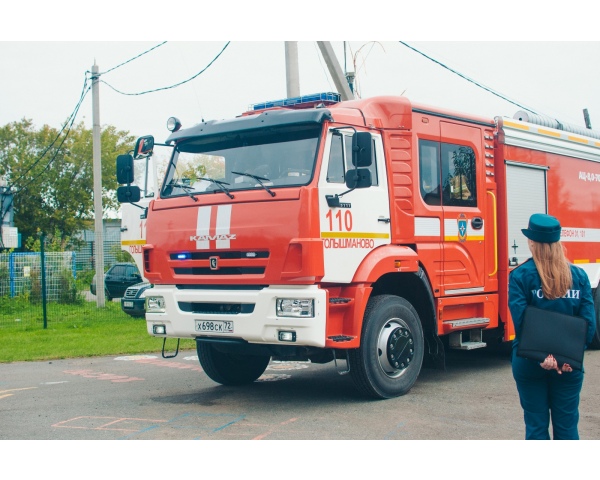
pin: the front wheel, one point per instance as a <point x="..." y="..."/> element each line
<point x="230" y="368"/>
<point x="390" y="356"/>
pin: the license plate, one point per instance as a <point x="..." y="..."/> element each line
<point x="214" y="326"/>
<point x="128" y="304"/>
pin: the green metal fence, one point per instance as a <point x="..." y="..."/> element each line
<point x="41" y="288"/>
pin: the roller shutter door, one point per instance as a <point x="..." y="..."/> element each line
<point x="526" y="189"/>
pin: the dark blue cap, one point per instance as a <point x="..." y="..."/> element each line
<point x="543" y="228"/>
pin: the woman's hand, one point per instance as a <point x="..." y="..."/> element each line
<point x="566" y="368"/>
<point x="550" y="363"/>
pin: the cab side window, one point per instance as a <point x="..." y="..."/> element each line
<point x="336" y="168"/>
<point x="429" y="171"/>
<point x="340" y="159"/>
<point x="447" y="174"/>
<point x="458" y="174"/>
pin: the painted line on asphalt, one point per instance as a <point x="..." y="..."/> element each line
<point x="102" y="376"/>
<point x="5" y="393"/>
<point x="169" y="364"/>
<point x="198" y="425"/>
<point x="269" y="432"/>
<point x="117" y="424"/>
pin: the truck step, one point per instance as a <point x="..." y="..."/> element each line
<point x="457" y="340"/>
<point x="339" y="300"/>
<point x="341" y="338"/>
<point x="464" y="322"/>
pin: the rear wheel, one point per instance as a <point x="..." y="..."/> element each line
<point x="230" y="368"/>
<point x="390" y="356"/>
<point x="596" y="340"/>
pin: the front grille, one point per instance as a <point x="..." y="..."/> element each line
<point x="131" y="292"/>
<point x="221" y="255"/>
<point x="196" y="286"/>
<point x="216" y="308"/>
<point x="220" y="263"/>
<point x="220" y="271"/>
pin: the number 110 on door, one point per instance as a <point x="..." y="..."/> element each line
<point x="340" y="221"/>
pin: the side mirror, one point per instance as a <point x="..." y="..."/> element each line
<point x="144" y="147"/>
<point x="125" y="169"/>
<point x="358" y="178"/>
<point x="128" y="194"/>
<point x="362" y="149"/>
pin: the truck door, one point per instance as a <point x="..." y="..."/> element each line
<point x="463" y="200"/>
<point x="362" y="221"/>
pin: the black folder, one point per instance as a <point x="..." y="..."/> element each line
<point x="544" y="332"/>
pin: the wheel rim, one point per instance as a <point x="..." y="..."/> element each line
<point x="395" y="348"/>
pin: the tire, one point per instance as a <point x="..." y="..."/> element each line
<point x="596" y="339"/>
<point x="230" y="368"/>
<point x="390" y="356"/>
<point x="107" y="295"/>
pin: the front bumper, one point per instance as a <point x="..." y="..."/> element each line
<point x="136" y="307"/>
<point x="259" y="325"/>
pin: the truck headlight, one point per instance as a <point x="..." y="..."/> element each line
<point x="155" y="304"/>
<point x="295" y="307"/>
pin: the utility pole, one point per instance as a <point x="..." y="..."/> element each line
<point x="340" y="81"/>
<point x="291" y="69"/>
<point x="97" y="170"/>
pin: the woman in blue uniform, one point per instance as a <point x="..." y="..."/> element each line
<point x="548" y="390"/>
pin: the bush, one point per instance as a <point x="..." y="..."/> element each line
<point x="60" y="287"/>
<point x="84" y="278"/>
<point x="67" y="288"/>
<point x="35" y="293"/>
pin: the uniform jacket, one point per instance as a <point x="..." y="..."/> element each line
<point x="525" y="288"/>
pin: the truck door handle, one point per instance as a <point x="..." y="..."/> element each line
<point x="384" y="220"/>
<point x="477" y="223"/>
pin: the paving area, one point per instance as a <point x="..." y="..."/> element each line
<point x="147" y="397"/>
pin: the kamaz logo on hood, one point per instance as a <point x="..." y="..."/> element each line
<point x="213" y="228"/>
<point x="204" y="238"/>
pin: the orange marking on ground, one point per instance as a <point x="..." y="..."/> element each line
<point x="13" y="390"/>
<point x="269" y="432"/>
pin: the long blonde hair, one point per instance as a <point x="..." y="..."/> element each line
<point x="553" y="267"/>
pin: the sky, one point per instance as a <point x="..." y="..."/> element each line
<point x="549" y="70"/>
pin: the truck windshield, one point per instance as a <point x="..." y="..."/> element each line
<point x="260" y="159"/>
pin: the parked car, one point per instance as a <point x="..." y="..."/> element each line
<point x="117" y="279"/>
<point x="133" y="302"/>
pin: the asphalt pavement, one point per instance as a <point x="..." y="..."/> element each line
<point x="147" y="397"/>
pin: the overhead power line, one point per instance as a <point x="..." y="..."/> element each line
<point x="69" y="122"/>
<point x="132" y="59"/>
<point x="170" y="86"/>
<point x="468" y="79"/>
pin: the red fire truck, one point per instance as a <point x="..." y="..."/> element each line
<point x="377" y="233"/>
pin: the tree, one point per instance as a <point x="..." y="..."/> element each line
<point x="51" y="176"/>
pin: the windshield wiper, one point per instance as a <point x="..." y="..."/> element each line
<point x="260" y="180"/>
<point x="219" y="184"/>
<point x="186" y="189"/>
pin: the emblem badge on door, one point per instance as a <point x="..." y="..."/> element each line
<point x="462" y="227"/>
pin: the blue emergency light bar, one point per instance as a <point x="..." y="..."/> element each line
<point x="303" y="101"/>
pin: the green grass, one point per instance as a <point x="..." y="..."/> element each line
<point x="75" y="331"/>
